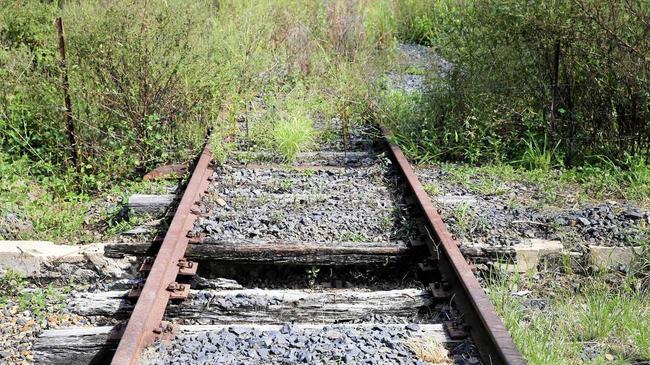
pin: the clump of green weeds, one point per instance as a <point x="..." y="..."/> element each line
<point x="433" y="189"/>
<point x="219" y="148"/>
<point x="538" y="155"/>
<point x="293" y="135"/>
<point x="312" y="274"/>
<point x="37" y="300"/>
<point x="466" y="219"/>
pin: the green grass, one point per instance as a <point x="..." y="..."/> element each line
<point x="432" y="189"/>
<point x="246" y="69"/>
<point x="554" y="186"/>
<point x="293" y="136"/>
<point x="353" y="237"/>
<point x="60" y="215"/>
<point x="538" y="156"/>
<point x="590" y="316"/>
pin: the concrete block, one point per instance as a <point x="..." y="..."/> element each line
<point x="606" y="257"/>
<point x="42" y="258"/>
<point x="456" y="199"/>
<point x="144" y="204"/>
<point x="529" y="255"/>
<point x="26" y="257"/>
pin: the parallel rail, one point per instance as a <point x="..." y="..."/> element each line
<point x="145" y="321"/>
<point x="486" y="329"/>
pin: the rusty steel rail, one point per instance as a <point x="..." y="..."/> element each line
<point x="486" y="329"/>
<point x="145" y="323"/>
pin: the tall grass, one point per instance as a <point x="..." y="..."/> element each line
<point x="596" y="324"/>
<point x="148" y="78"/>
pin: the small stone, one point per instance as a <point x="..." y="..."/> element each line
<point x="220" y="201"/>
<point x="263" y="353"/>
<point x="333" y="334"/>
<point x="633" y="214"/>
<point x="412" y="327"/>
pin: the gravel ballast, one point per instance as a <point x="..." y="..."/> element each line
<point x="514" y="216"/>
<point x="352" y="204"/>
<point x="292" y="345"/>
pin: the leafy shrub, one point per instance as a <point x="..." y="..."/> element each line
<point x="138" y="84"/>
<point x="572" y="72"/>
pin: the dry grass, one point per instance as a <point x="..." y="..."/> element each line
<point x="429" y="350"/>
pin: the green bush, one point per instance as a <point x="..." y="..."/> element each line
<point x="139" y="84"/>
<point x="293" y="136"/>
<point x="575" y="73"/>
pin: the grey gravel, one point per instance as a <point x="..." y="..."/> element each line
<point x="422" y="57"/>
<point x="13" y="224"/>
<point x="326" y="345"/>
<point x="353" y="204"/>
<point x="419" y="63"/>
<point x="408" y="83"/>
<point x="495" y="220"/>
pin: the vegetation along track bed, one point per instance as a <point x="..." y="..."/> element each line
<point x="338" y="258"/>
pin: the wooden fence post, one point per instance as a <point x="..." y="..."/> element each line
<point x="69" y="122"/>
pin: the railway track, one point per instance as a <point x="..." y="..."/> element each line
<point x="341" y="258"/>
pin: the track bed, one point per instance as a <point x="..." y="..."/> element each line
<point x="326" y="292"/>
<point x="333" y="259"/>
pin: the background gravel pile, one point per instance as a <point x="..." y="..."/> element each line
<point x="336" y="135"/>
<point x="418" y="61"/>
<point x="356" y="204"/>
<point x="327" y="345"/>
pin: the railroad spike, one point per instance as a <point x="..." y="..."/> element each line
<point x="178" y="291"/>
<point x="166" y="331"/>
<point x="187" y="268"/>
